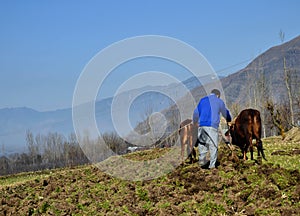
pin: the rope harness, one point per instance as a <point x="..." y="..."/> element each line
<point x="172" y="134"/>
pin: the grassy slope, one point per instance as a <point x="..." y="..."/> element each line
<point x="242" y="188"/>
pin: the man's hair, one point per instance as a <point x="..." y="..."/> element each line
<point x="216" y="92"/>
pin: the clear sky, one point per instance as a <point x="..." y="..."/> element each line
<point x="44" y="45"/>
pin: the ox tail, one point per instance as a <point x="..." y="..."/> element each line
<point x="260" y="149"/>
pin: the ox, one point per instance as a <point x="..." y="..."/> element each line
<point x="245" y="128"/>
<point x="188" y="132"/>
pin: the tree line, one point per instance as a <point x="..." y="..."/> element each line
<point x="49" y="151"/>
<point x="54" y="150"/>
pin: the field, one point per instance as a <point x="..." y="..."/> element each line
<point x="235" y="188"/>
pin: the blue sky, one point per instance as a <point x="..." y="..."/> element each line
<point x="44" y="45"/>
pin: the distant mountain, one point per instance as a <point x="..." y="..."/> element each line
<point x="14" y="122"/>
<point x="245" y="86"/>
<point x="262" y="78"/>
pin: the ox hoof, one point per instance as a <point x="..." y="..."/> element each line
<point x="259" y="160"/>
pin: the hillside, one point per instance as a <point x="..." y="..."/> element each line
<point x="235" y="188"/>
<point x="245" y="86"/>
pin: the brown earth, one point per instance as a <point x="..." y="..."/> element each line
<point x="234" y="188"/>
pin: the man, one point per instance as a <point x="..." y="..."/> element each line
<point x="207" y="115"/>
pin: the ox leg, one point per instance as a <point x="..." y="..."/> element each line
<point x="193" y="154"/>
<point x="248" y="145"/>
<point x="192" y="150"/>
<point x="182" y="149"/>
<point x="182" y="152"/>
<point x="189" y="151"/>
<point x="258" y="143"/>
<point x="245" y="152"/>
<point x="251" y="148"/>
<point x="260" y="149"/>
<point x="259" y="160"/>
<point x="251" y="152"/>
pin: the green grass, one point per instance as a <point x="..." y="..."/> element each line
<point x="23" y="177"/>
<point x="273" y="144"/>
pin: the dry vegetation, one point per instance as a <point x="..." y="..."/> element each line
<point x="235" y="188"/>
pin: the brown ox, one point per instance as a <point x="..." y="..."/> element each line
<point x="247" y="126"/>
<point x="188" y="136"/>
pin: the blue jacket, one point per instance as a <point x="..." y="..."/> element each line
<point x="208" y="111"/>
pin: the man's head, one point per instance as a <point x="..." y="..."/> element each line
<point x="216" y="92"/>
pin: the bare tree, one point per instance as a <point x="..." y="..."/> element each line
<point x="114" y="142"/>
<point x="287" y="81"/>
<point x="4" y="165"/>
<point x="33" y="148"/>
<point x="263" y="95"/>
<point x="294" y="83"/>
<point x="276" y="118"/>
<point x="145" y="126"/>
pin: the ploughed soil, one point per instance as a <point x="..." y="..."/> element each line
<point x="236" y="187"/>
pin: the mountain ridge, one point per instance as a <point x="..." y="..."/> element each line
<point x="268" y="65"/>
